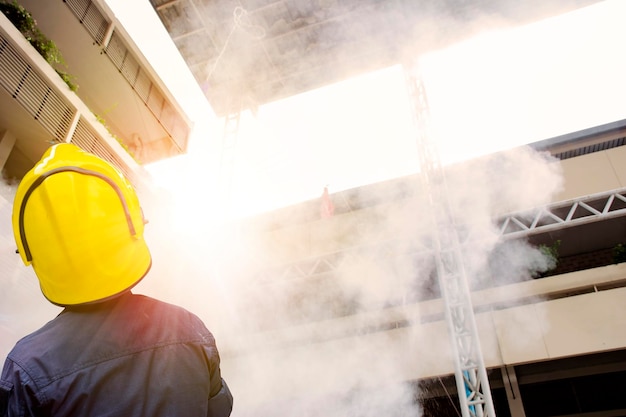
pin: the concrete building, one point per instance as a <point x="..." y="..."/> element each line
<point x="360" y="286"/>
<point x="120" y="109"/>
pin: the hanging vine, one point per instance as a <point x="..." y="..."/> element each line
<point x="27" y="25"/>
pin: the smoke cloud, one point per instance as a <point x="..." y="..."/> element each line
<point x="346" y="341"/>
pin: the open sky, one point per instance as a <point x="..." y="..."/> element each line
<point x="501" y="89"/>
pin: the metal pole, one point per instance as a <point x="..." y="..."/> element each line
<point x="470" y="372"/>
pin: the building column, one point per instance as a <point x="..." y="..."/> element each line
<point x="7" y="141"/>
<point x="512" y="391"/>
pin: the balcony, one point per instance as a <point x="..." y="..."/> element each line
<point x="39" y="109"/>
<point x="308" y="271"/>
<point x="116" y="87"/>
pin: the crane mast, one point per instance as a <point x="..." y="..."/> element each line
<point x="470" y="373"/>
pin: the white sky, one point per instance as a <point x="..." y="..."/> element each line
<point x="495" y="91"/>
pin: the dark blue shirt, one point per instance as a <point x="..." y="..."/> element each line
<point x="130" y="356"/>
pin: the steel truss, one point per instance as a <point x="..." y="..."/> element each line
<point x="517" y="225"/>
<point x="582" y="210"/>
<point x="470" y="372"/>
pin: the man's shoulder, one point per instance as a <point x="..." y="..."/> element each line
<point x="157" y="304"/>
<point x="106" y="330"/>
<point x="167" y="311"/>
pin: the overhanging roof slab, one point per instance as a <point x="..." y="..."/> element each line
<point x="249" y="52"/>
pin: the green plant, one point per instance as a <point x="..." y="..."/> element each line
<point x="619" y="253"/>
<point x="552" y="256"/>
<point x="551" y="251"/>
<point x="69" y="80"/>
<point x="27" y="25"/>
<point x="120" y="141"/>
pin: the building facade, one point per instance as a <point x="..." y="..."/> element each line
<point x="98" y="92"/>
<point x="357" y="293"/>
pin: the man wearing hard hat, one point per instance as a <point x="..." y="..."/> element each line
<point x="78" y="222"/>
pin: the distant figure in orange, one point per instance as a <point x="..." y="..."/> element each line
<point x="327" y="208"/>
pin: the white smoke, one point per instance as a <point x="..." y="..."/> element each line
<point x="317" y="345"/>
<point x="23" y="308"/>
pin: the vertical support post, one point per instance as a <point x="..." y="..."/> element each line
<point x="509" y="377"/>
<point x="72" y="128"/>
<point x="7" y="142"/>
<point x="470" y="372"/>
<point x="108" y="34"/>
<point x="229" y="145"/>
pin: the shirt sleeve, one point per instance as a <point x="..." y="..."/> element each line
<point x="5" y="392"/>
<point x="221" y="404"/>
<point x="15" y="386"/>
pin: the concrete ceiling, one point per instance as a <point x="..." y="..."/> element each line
<point x="245" y="53"/>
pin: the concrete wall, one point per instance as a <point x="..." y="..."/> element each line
<point x="588" y="174"/>
<point x="518" y="324"/>
<point x="593" y="173"/>
<point x="534" y="320"/>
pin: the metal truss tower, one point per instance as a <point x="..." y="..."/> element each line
<point x="470" y="372"/>
<point x="229" y="146"/>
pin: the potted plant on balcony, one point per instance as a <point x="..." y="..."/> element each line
<point x="619" y="253"/>
<point x="551" y="255"/>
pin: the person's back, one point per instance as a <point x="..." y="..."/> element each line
<point x="131" y="356"/>
<point x="77" y="220"/>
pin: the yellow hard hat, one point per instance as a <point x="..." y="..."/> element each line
<point x="78" y="221"/>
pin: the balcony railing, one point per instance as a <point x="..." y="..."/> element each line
<point x="313" y="282"/>
<point x="104" y="34"/>
<point x="39" y="90"/>
<point x="582" y="210"/>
